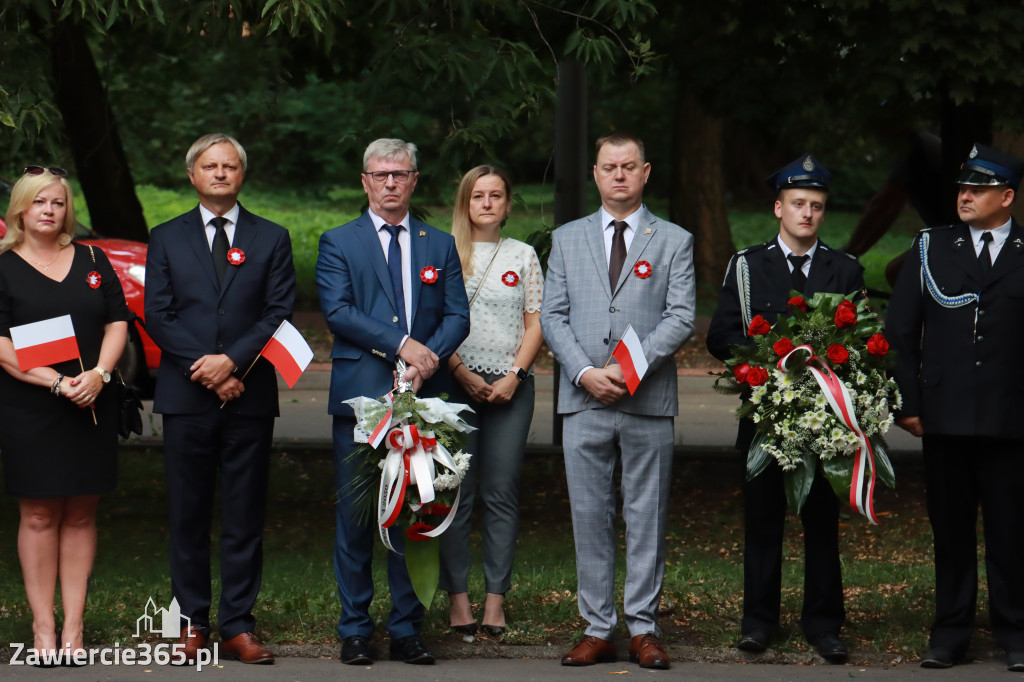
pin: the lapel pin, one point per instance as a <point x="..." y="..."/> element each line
<point x="1018" y="243"/>
<point x="422" y="233"/>
<point x="958" y="242"/>
<point x="647" y="231"/>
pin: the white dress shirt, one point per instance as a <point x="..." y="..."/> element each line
<point x="229" y="226"/>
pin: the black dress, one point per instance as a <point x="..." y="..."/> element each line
<point x="50" y="447"/>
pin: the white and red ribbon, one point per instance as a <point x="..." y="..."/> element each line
<point x="832" y="387"/>
<point x="410" y="461"/>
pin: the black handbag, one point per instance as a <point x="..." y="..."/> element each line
<point x="129" y="416"/>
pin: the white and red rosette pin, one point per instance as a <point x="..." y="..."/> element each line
<point x="236" y="256"/>
<point x="642" y="269"/>
<point x="94" y="280"/>
<point x="428" y="274"/>
<point x="510" y="279"/>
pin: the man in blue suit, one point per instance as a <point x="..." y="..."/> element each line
<point x="390" y="287"/>
<point x="219" y="281"/>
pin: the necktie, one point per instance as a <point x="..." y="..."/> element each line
<point x="618" y="252"/>
<point x="219" y="252"/>
<point x="797" y="277"/>
<point x="395" y="268"/>
<point x="985" y="256"/>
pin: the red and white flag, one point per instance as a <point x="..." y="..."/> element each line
<point x="629" y="353"/>
<point x="289" y="352"/>
<point x="46" y="342"/>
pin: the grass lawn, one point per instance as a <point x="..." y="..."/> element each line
<point x="887" y="569"/>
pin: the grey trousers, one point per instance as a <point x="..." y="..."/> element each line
<point x="594" y="442"/>
<point x="497" y="448"/>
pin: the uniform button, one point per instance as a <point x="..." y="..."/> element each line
<point x="606" y="342"/>
<point x="978" y="363"/>
<point x="220" y="312"/>
<point x="767" y="305"/>
<point x="981" y="338"/>
<point x="612" y="309"/>
<point x="394" y="318"/>
<point x="981" y="313"/>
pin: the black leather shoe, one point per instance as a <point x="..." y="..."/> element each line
<point x="355" y="650"/>
<point x="829" y="647"/>
<point x="411" y="650"/>
<point x="754" y="641"/>
<point x="1015" y="661"/>
<point x="938" y="657"/>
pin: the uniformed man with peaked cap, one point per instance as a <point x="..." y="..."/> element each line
<point x="759" y="281"/>
<point x="957" y="325"/>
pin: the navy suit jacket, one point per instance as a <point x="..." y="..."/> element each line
<point x="189" y="314"/>
<point x="358" y="301"/>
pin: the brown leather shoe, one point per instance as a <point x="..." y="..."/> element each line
<point x="246" y="648"/>
<point x="193" y="639"/>
<point x="647" y="651"/>
<point x="589" y="651"/>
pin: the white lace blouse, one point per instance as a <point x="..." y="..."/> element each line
<point x="513" y="287"/>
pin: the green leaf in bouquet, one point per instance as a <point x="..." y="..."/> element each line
<point x="839" y="472"/>
<point x="422" y="559"/>
<point x="362" y="488"/>
<point x="758" y="458"/>
<point x="798" y="482"/>
<point x="826" y="298"/>
<point x="883" y="465"/>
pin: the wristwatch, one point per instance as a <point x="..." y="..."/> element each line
<point x="103" y="373"/>
<point x="519" y="372"/>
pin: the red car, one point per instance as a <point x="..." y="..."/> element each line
<point x="129" y="261"/>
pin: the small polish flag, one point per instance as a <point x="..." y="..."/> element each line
<point x="630" y="356"/>
<point x="46" y="342"/>
<point x="289" y="352"/>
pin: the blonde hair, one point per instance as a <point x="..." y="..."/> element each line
<point x="462" y="228"/>
<point x="23" y="194"/>
<point x="206" y="141"/>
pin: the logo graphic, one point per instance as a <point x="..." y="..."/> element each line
<point x="170" y="621"/>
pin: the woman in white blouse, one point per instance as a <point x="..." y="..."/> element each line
<point x="492" y="369"/>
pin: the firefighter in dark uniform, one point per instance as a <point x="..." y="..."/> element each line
<point x="957" y="325"/>
<point x="759" y="282"/>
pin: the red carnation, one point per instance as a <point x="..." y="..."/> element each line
<point x="877" y="345"/>
<point x="798" y="303"/>
<point x="837" y="354"/>
<point x="846" y="315"/>
<point x="783" y="346"/>
<point x="438" y="509"/>
<point x="757" y="376"/>
<point x="758" y="326"/>
<point x="416" y="530"/>
<point x="739" y="372"/>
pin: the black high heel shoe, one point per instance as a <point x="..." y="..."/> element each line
<point x="467" y="629"/>
<point x="494" y="630"/>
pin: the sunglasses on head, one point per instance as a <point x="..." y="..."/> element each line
<point x="56" y="171"/>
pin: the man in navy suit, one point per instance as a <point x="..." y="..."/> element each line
<point x="382" y="303"/>
<point x="219" y="281"/>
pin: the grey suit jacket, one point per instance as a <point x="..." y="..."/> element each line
<point x="583" y="319"/>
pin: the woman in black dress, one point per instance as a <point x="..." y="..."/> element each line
<point x="57" y="457"/>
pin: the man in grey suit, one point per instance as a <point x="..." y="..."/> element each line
<point x="618" y="267"/>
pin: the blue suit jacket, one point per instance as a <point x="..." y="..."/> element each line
<point x="358" y="301"/>
<point x="189" y="314"/>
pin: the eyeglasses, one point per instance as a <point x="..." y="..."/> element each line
<point x="56" y="171"/>
<point x="400" y="176"/>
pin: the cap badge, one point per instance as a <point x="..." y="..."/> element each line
<point x="974" y="152"/>
<point x="808" y="164"/>
<point x="958" y="242"/>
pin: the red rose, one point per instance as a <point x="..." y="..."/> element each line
<point x="439" y="509"/>
<point x="783" y="346"/>
<point x="798" y="303"/>
<point x="739" y="372"/>
<point x="416" y="530"/>
<point x="758" y="326"/>
<point x="846" y="315"/>
<point x="877" y="345"/>
<point x="757" y="376"/>
<point x="837" y="354"/>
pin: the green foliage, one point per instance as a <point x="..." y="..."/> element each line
<point x="423" y="561"/>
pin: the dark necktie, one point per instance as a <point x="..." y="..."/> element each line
<point x="395" y="268"/>
<point x="219" y="252"/>
<point x="797" y="277"/>
<point x="618" y="257"/>
<point x="985" y="256"/>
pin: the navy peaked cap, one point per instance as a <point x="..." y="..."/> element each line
<point x="987" y="166"/>
<point x="804" y="171"/>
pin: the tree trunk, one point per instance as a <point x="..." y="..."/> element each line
<point x="698" y="200"/>
<point x="100" y="162"/>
